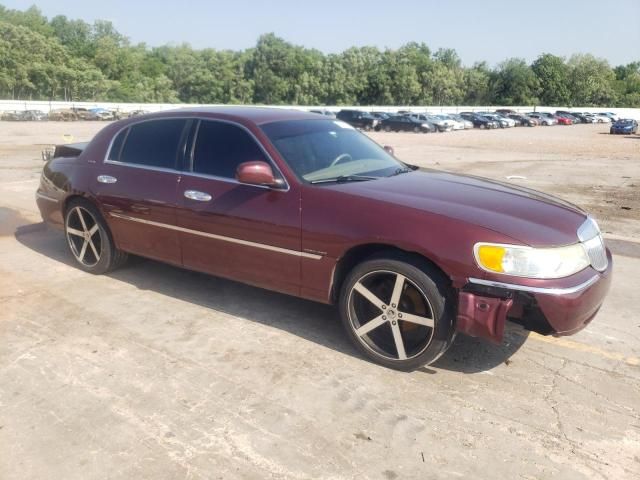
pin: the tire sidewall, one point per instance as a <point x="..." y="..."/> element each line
<point x="431" y="283"/>
<point x="107" y="250"/>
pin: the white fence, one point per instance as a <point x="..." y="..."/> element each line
<point x="20" y="105"/>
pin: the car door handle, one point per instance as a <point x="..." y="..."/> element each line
<point x="196" y="195"/>
<point x="107" y="179"/>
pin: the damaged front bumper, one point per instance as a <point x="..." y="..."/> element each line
<point x="558" y="307"/>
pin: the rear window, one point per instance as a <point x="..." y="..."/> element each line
<point x="116" y="146"/>
<point x="153" y="143"/>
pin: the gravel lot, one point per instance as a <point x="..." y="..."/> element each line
<point x="155" y="372"/>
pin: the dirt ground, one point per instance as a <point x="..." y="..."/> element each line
<point x="156" y="372"/>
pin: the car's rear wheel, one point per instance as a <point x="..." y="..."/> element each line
<point x="387" y="128"/>
<point x="89" y="239"/>
<point x="395" y="310"/>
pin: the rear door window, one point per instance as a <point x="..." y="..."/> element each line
<point x="154" y="143"/>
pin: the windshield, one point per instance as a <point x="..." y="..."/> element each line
<point x="325" y="149"/>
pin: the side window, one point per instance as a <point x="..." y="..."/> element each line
<point x="221" y="147"/>
<point x="116" y="146"/>
<point x="153" y="143"/>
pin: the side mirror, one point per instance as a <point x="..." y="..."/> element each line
<point x="389" y="150"/>
<point x="257" y="173"/>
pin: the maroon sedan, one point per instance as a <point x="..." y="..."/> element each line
<point x="308" y="206"/>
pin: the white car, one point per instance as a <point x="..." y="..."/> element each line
<point x="457" y="124"/>
<point x="602" y="118"/>
<point x="459" y="118"/>
<point x="444" y="124"/>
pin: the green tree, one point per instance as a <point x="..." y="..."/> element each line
<point x="591" y="81"/>
<point x="514" y="83"/>
<point x="553" y="75"/>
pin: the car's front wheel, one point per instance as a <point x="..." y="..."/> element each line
<point x="396" y="311"/>
<point x="89" y="239"/>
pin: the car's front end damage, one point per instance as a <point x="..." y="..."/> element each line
<point x="556" y="306"/>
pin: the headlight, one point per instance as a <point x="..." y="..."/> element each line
<point x="425" y="125"/>
<point x="523" y="261"/>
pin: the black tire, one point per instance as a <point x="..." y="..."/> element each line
<point x="424" y="297"/>
<point x="81" y="216"/>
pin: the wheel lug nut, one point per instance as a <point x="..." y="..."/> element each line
<point x="399" y="315"/>
<point x="384" y="317"/>
<point x="394" y="322"/>
<point x="393" y="305"/>
<point x="384" y="307"/>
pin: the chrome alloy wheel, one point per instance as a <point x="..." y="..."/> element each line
<point x="84" y="236"/>
<point x="390" y="315"/>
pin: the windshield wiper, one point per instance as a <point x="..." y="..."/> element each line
<point x="344" y="178"/>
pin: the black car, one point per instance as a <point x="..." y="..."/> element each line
<point x="358" y="119"/>
<point x="624" y="125"/>
<point x="522" y="120"/>
<point x="381" y="115"/>
<point x="479" y="121"/>
<point x="405" y="123"/>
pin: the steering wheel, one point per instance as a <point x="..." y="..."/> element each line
<point x="341" y="157"/>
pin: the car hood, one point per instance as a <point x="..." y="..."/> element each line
<point x="528" y="216"/>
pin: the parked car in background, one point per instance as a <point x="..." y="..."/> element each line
<point x="510" y="121"/>
<point x="584" y="117"/>
<point x="543" y="119"/>
<point x="291" y="202"/>
<point x="457" y="124"/>
<point x="572" y="115"/>
<point x="358" y="119"/>
<point x="33" y="115"/>
<point x="602" y="118"/>
<point x="137" y="113"/>
<point x="501" y="121"/>
<point x="459" y="118"/>
<point x="506" y="112"/>
<point x="479" y="121"/>
<point x="625" y="125"/>
<point x="564" y="119"/>
<point x="326" y="113"/>
<point x="84" y="113"/>
<point x="11" y="116"/>
<point x="523" y="120"/>
<point x="103" y="114"/>
<point x="442" y="124"/>
<point x="405" y="123"/>
<point x="382" y="115"/>
<point x="611" y="115"/>
<point x="63" y="115"/>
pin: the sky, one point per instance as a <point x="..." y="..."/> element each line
<point x="489" y="30"/>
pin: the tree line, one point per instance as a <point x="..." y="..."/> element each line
<point x="65" y="59"/>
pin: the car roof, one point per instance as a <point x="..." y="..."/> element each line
<point x="256" y="115"/>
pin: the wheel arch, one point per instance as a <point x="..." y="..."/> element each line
<point x="76" y="196"/>
<point x="359" y="253"/>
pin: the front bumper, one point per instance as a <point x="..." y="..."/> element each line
<point x="558" y="307"/>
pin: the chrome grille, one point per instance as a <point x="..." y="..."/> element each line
<point x="593" y="244"/>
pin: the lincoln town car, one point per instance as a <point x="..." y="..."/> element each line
<point x="309" y="206"/>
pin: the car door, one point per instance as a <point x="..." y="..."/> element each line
<point x="245" y="232"/>
<point x="136" y="186"/>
